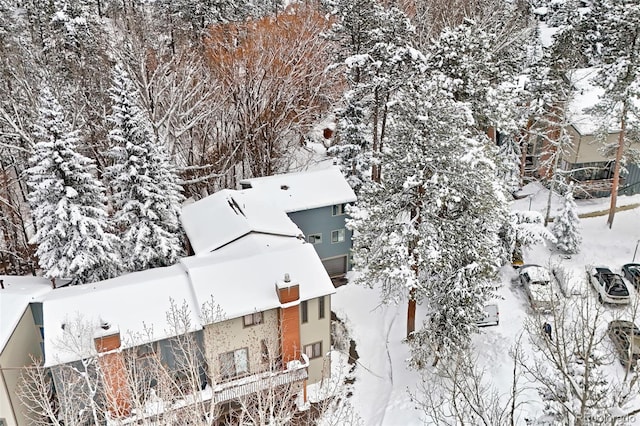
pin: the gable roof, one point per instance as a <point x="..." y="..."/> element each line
<point x="299" y="191"/>
<point x="239" y="278"/>
<point x="227" y="215"/>
<point x="135" y="304"/>
<point x="15" y="297"/>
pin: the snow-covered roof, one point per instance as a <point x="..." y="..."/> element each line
<point x="134" y="304"/>
<point x="299" y="191"/>
<point x="15" y="297"/>
<point x="239" y="278"/>
<point x="244" y="284"/>
<point x="227" y="215"/>
<point x="586" y="95"/>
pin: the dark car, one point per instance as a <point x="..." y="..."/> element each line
<point x="625" y="336"/>
<point x="610" y="286"/>
<point x="631" y="272"/>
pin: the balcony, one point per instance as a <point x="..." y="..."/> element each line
<point x="238" y="388"/>
<point x="593" y="188"/>
<point x="155" y="410"/>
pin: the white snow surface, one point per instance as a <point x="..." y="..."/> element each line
<point x="237" y="279"/>
<point x="227" y="215"/>
<point x="384" y="383"/>
<point x="294" y="192"/>
<point x="586" y="95"/>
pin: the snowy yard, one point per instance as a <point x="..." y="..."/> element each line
<point x="384" y="383"/>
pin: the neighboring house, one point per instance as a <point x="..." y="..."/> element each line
<point x="315" y="201"/>
<point x="590" y="171"/>
<point x="20" y="340"/>
<point x="253" y="306"/>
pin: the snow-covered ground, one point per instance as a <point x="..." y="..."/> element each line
<point x="384" y="383"/>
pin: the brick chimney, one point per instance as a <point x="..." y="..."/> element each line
<point x="115" y="374"/>
<point x="289" y="313"/>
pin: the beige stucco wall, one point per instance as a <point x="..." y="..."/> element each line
<point x="586" y="148"/>
<point x="230" y="335"/>
<point x="316" y="330"/>
<point x="24" y="341"/>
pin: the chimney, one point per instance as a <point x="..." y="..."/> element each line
<point x="114" y="372"/>
<point x="289" y="315"/>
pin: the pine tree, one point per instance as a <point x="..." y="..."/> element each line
<point x="145" y="195"/>
<point x="429" y="230"/>
<point x="68" y="203"/>
<point x="566" y="227"/>
<point x="510" y="155"/>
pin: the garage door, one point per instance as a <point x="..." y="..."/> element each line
<point x="336" y="266"/>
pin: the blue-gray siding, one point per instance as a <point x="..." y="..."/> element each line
<point x="321" y="221"/>
<point x="631" y="180"/>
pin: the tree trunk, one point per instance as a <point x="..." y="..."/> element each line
<point x="616" y="169"/>
<point x="411" y="313"/>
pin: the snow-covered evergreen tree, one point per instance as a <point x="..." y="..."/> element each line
<point x="429" y="230"/>
<point x="510" y="155"/>
<point x="145" y="194"/>
<point x="68" y="203"/>
<point x="566" y="226"/>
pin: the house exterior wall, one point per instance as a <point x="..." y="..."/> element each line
<point x="317" y="330"/>
<point x="24" y="342"/>
<point x="322" y="221"/>
<point x="230" y="335"/>
<point x="586" y="149"/>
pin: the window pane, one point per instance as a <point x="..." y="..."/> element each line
<point x="257" y="318"/>
<point x="242" y="361"/>
<point x="303" y="311"/>
<point x="317" y="349"/>
<point x="308" y="351"/>
<point x="248" y="319"/>
<point x="227" y="365"/>
<point x="321" y="307"/>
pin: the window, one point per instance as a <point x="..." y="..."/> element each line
<point x="304" y="313"/>
<point x="321" y="307"/>
<point x="252" y="319"/>
<point x="338" y="209"/>
<point x="313" y="350"/>
<point x="3" y="422"/>
<point x="337" y="236"/>
<point x="234" y="363"/>
<point x="315" y="238"/>
<point x="592" y="171"/>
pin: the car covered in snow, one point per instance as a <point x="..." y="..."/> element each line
<point x="539" y="286"/>
<point x="631" y="271"/>
<point x="625" y="336"/>
<point x="490" y="315"/>
<point x="610" y="286"/>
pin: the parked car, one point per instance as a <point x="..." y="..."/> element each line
<point x="491" y="315"/>
<point x="610" y="286"/>
<point x="631" y="272"/>
<point x="625" y="336"/>
<point x="539" y="287"/>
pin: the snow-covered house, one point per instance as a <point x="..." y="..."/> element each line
<point x="251" y="308"/>
<point x="315" y="201"/>
<point x="20" y="340"/>
<point x="591" y="171"/>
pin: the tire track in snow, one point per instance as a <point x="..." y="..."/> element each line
<point x="390" y="387"/>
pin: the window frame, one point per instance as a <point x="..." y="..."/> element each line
<point x="339" y="209"/>
<point x="338" y="232"/>
<point x="235" y="374"/>
<point x="321" y="307"/>
<point x="253" y="317"/>
<point x="317" y="238"/>
<point x="304" y="312"/>
<point x="313" y="346"/>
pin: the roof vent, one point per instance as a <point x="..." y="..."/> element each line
<point x="105" y="325"/>
<point x="284" y="187"/>
<point x="287" y="279"/>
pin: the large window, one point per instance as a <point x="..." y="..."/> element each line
<point x="304" y="311"/>
<point x="234" y="363"/>
<point x="252" y="319"/>
<point x="321" y="307"/>
<point x="337" y="236"/>
<point x="313" y="350"/>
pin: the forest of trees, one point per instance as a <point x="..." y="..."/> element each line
<point x="112" y="113"/>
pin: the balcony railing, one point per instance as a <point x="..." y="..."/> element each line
<point x="296" y="371"/>
<point x="588" y="188"/>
